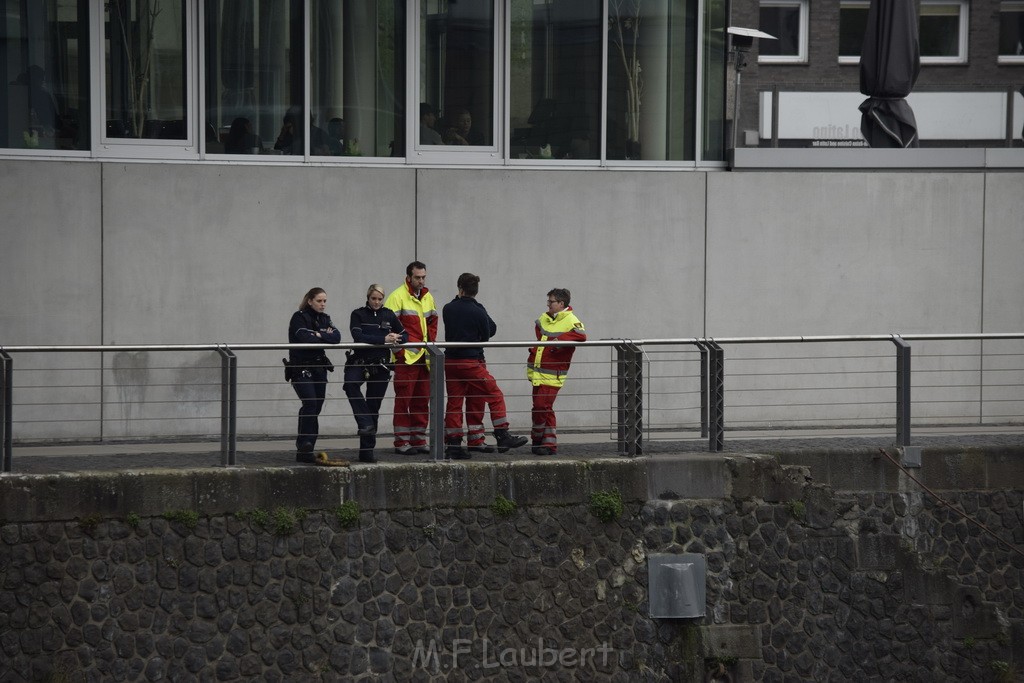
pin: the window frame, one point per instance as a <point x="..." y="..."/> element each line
<point x="865" y="4"/>
<point x="493" y="154"/>
<point x="963" y="14"/>
<point x="145" y="148"/>
<point x="964" y="11"/>
<point x="1018" y="6"/>
<point x="802" y="39"/>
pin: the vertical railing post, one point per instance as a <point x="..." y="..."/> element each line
<point x="703" y="389"/>
<point x="902" y="391"/>
<point x="630" y="379"/>
<point x="716" y="397"/>
<point x="7" y="398"/>
<point x="228" y="406"/>
<point x="436" y="401"/>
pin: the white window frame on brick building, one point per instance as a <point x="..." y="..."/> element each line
<point x="796" y="36"/>
<point x="930" y="14"/>
<point x="1011" y="12"/>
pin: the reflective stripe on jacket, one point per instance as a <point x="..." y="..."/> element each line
<point x="417" y="315"/>
<point x="549" y="365"/>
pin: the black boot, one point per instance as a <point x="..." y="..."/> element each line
<point x="508" y="441"/>
<point x="453" y="450"/>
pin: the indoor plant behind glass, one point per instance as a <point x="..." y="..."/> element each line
<point x="625" y="32"/>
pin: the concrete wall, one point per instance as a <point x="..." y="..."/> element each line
<point x="257" y="573"/>
<point x="123" y="253"/>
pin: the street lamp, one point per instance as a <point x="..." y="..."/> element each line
<point x="741" y="40"/>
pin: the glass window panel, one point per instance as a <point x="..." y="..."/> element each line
<point x="1011" y="29"/>
<point x="555" y="88"/>
<point x="940" y="30"/>
<point x="853" y="21"/>
<point x="651" y="79"/>
<point x="358" y="58"/>
<point x="44" y="85"/>
<point x="145" y="67"/>
<point x="254" y="77"/>
<point x="457" y="70"/>
<point x="714" y="65"/>
<point x="783" y="22"/>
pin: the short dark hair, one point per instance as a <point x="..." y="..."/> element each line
<point x="560" y="295"/>
<point x="469" y="284"/>
<point x="413" y="266"/>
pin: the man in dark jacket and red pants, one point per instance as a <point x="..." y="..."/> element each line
<point x="467" y="378"/>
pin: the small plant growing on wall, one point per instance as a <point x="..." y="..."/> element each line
<point x="798" y="509"/>
<point x="503" y="507"/>
<point x="606" y="505"/>
<point x="133" y="520"/>
<point x="347" y="514"/>
<point x="187" y="518"/>
<point x="284" y="521"/>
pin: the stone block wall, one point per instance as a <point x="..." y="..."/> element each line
<point x="823" y="586"/>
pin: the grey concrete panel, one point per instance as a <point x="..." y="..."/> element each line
<point x="209" y="253"/>
<point x="1004" y="252"/>
<point x="628" y="245"/>
<point x="844" y="253"/>
<point x="50" y="259"/>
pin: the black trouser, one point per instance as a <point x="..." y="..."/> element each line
<point x="366" y="410"/>
<point x="310" y="384"/>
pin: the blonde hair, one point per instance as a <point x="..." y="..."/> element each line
<point x="375" y="288"/>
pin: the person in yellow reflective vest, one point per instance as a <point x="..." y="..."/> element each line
<point x="414" y="305"/>
<point x="548" y="366"/>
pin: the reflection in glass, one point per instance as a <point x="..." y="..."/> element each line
<point x="940" y="30"/>
<point x="1011" y="30"/>
<point x="45" y="79"/>
<point x="715" y="18"/>
<point x="254" y="77"/>
<point x="555" y="88"/>
<point x="853" y="21"/>
<point x="783" y="22"/>
<point x="358" y="77"/>
<point x="145" y="69"/>
<point x="652" y="71"/>
<point x="457" y="69"/>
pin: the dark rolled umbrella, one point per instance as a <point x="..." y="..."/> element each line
<point x="890" y="61"/>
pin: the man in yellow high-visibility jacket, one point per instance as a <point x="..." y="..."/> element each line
<point x="547" y="366"/>
<point x="414" y="305"/>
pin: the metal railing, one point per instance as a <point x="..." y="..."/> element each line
<point x="653" y="384"/>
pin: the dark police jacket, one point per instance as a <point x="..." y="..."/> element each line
<point x="466" y="320"/>
<point x="370" y="327"/>
<point x="302" y="330"/>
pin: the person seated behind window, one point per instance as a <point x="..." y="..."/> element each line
<point x="428" y="119"/>
<point x="240" y="138"/>
<point x="459" y="130"/>
<point x="336" y="136"/>
<point x="290" y="139"/>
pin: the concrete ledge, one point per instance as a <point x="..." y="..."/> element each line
<point x="868" y="159"/>
<point x="942" y="469"/>
<point x="150" y="493"/>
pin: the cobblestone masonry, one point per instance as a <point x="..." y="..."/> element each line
<point x="853" y="587"/>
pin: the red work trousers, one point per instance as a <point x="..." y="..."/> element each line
<point x="543" y="432"/>
<point x="467" y="379"/>
<point x="412" y="404"/>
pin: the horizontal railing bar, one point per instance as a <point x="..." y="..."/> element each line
<point x="114" y="348"/>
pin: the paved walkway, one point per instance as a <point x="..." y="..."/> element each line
<point x="53" y="459"/>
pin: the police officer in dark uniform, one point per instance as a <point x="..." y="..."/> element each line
<point x="370" y="324"/>
<point x="308" y="368"/>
